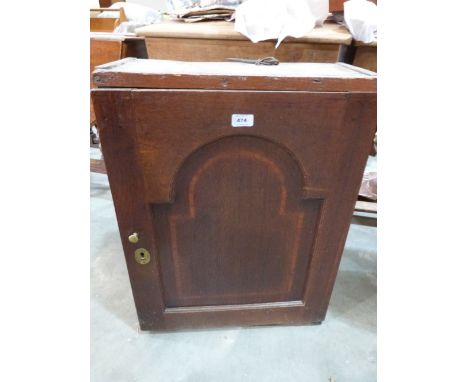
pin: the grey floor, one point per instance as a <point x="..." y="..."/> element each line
<point x="342" y="349"/>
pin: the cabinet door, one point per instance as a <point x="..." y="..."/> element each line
<point x="244" y="225"/>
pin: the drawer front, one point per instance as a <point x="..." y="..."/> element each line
<point x="243" y="199"/>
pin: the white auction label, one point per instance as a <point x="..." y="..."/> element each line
<point x="242" y="120"/>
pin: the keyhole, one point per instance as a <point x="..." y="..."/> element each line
<point x="142" y="256"/>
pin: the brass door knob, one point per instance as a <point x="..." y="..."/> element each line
<point x="133" y="238"/>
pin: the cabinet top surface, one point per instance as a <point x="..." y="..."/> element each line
<point x="144" y="73"/>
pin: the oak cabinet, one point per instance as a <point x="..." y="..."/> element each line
<point x="233" y="184"/>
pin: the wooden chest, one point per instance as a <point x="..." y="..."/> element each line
<point x="234" y="184"/>
<point x="218" y="40"/>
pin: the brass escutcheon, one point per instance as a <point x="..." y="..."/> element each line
<point x="142" y="256"/>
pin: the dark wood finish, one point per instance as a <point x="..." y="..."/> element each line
<point x="101" y="52"/>
<point x="245" y="226"/>
<point x="103" y="77"/>
<point x="104" y="49"/>
<point x="108" y="48"/>
<point x="135" y="47"/>
<point x="218" y="225"/>
<point x="365" y="56"/>
<point x="108" y="3"/>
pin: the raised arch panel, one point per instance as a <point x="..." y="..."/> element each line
<point x="239" y="230"/>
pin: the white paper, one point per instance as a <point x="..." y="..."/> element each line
<point x="276" y="19"/>
<point x="361" y="19"/>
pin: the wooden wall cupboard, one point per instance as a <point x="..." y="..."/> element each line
<point x="234" y="185"/>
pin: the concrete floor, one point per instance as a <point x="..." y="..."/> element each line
<point x="342" y="349"/>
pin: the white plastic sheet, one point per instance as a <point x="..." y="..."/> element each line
<point x="276" y="19"/>
<point x="361" y="19"/>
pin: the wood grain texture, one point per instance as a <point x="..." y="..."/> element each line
<point x="101" y="52"/>
<point x="147" y="74"/>
<point x="106" y="24"/>
<point x="114" y="116"/>
<point x="232" y="83"/>
<point x="103" y="49"/>
<point x="246" y="226"/>
<point x="365" y="56"/>
<point x="218" y="50"/>
<point x="216" y="41"/>
<point x="204" y="233"/>
<point x="329" y="33"/>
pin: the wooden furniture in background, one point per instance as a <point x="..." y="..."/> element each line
<point x="365" y="206"/>
<point x="108" y="3"/>
<point x="234" y="185"/>
<point x="365" y="55"/>
<point x="217" y="40"/>
<point x="106" y="24"/>
<point x="98" y="165"/>
<point x="337" y="5"/>
<point x="108" y="47"/>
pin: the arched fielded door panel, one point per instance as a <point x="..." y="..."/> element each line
<point x="239" y="230"/>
